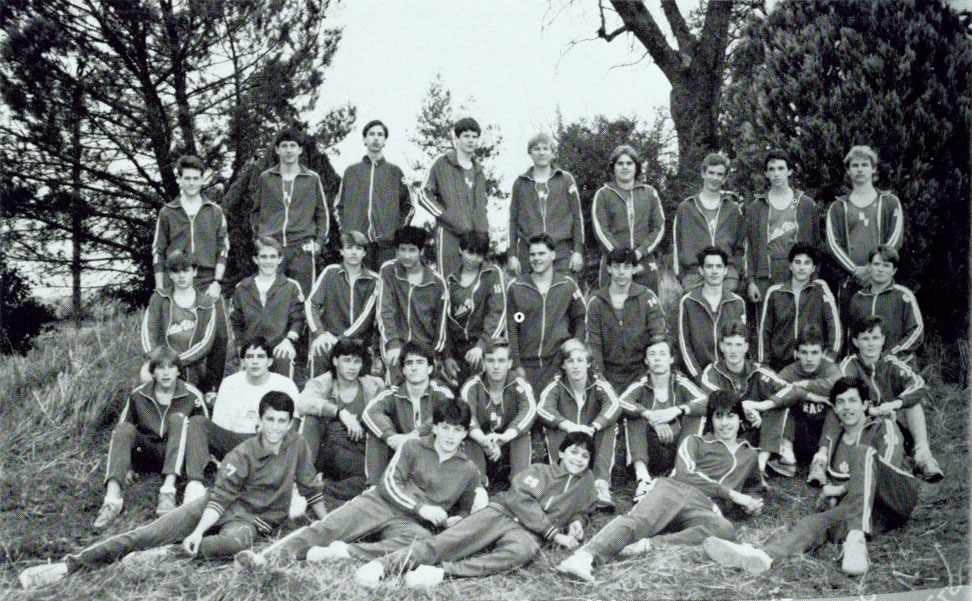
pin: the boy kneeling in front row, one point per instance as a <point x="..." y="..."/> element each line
<point x="251" y="495"/>
<point x="874" y="494"/>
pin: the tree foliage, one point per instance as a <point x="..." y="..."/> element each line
<point x="816" y="77"/>
<point x="22" y="317"/>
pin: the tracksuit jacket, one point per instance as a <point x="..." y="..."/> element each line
<point x="682" y="392"/>
<point x="482" y="315"/>
<point x="517" y="409"/>
<point x="332" y="306"/>
<point x="149" y="417"/>
<point x="158" y="318"/>
<point x="254" y="484"/>
<point x="890" y="226"/>
<point x="889" y="379"/>
<point x="560" y="216"/>
<point x="373" y="199"/>
<point x="691" y="233"/>
<point x="706" y="464"/>
<point x="415" y="477"/>
<point x="407" y="312"/>
<point x="619" y="342"/>
<point x="441" y="193"/>
<point x="558" y="404"/>
<point x="204" y="236"/>
<point x="545" y="498"/>
<point x="903" y="326"/>
<point x="541" y="323"/>
<point x="757" y="234"/>
<point x="282" y="314"/>
<point x="320" y="398"/>
<point x="819" y="382"/>
<point x="786" y="314"/>
<point x="698" y="327"/>
<point x="392" y="411"/>
<point x="304" y="218"/>
<point x="616" y="228"/>
<point x="881" y="434"/>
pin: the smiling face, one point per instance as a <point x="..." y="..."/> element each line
<point x="190" y="182"/>
<point x="712" y="178"/>
<point x="575" y="459"/>
<point x="267" y="260"/>
<point x="576" y="364"/>
<point x="470" y="260"/>
<point x="625" y="169"/>
<point x="274" y="426"/>
<point x="288" y="152"/>
<point x="621" y="273"/>
<point x="850" y="408"/>
<point x="725" y="425"/>
<point x="448" y="437"/>
<point x="541" y="257"/>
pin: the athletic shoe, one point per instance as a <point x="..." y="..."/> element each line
<point x="818" y="474"/>
<point x="370" y="574"/>
<point x="298" y="504"/>
<point x="928" y="467"/>
<point x="147" y="557"/>
<point x="736" y="555"/>
<point x="604" y="500"/>
<point x="250" y="561"/>
<point x="643" y="487"/>
<point x="579" y="564"/>
<point x="107" y="514"/>
<point x="336" y="550"/>
<point x="167" y="501"/>
<point x="780" y="467"/>
<point x="194" y="490"/>
<point x="424" y="576"/>
<point x="855" y="554"/>
<point x="42" y="574"/>
<point x="639" y="547"/>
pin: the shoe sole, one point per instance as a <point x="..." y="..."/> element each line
<point x="782" y="469"/>
<point x="577" y="575"/>
<point x="727" y="554"/>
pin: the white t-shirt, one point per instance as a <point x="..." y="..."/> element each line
<point x="237" y="403"/>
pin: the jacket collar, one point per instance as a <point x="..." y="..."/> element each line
<point x="554" y="171"/>
<point x="763" y="197"/>
<point x="203" y="301"/>
<point x="300" y="171"/>
<point x="147" y="390"/>
<point x="527" y="279"/>
<point x="635" y="290"/>
<point x="613" y="186"/>
<point x="427" y="275"/>
<point x="867" y="291"/>
<point x="696" y="295"/>
<point x="428" y="441"/>
<point x="367" y="160"/>
<point x="749" y="368"/>
<point x="510" y="380"/>
<point x="263" y="451"/>
<point x="486" y="266"/>
<point x="452" y="157"/>
<point x="177" y="203"/>
<point x="365" y="272"/>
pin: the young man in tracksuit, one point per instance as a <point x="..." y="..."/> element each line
<point x="429" y="483"/>
<point x="628" y="214"/>
<point x="503" y="411"/>
<point x="775" y="221"/>
<point x="903" y="326"/>
<point x="860" y="221"/>
<point x="791" y="307"/>
<point x="872" y="492"/>
<point x="477" y="308"/>
<point x="580" y="401"/>
<point x="622" y="318"/>
<point x="767" y="398"/>
<point x="454" y="193"/>
<point x="709" y="474"/>
<point x="545" y="200"/>
<point x="896" y="390"/>
<point x="374" y="198"/>
<point x="251" y="496"/>
<point x="703" y="311"/>
<point x="269" y="305"/>
<point x="546" y="502"/>
<point x="151" y="434"/>
<point x="713" y="217"/>
<point x="197" y="227"/>
<point x="343" y="300"/>
<point x="404" y="411"/>
<point x="413" y="302"/>
<point x="290" y="207"/>
<point x="543" y="310"/>
<point x="661" y="408"/>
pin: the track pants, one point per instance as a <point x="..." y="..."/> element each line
<point x="130" y="447"/>
<point x="643" y="444"/>
<point x="517" y="452"/>
<point x="340" y="459"/>
<point x="205" y="438"/>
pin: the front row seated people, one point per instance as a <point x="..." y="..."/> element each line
<point x="580" y="401"/>
<point x="871" y="492"/>
<point x="331" y="406"/>
<point x="545" y="502"/>
<point x="151" y="434"/>
<point x="686" y="507"/>
<point x="429" y="483"/>
<point x="251" y="496"/>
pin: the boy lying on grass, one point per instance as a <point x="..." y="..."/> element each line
<point x="251" y="496"/>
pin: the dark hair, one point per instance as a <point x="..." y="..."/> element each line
<point x="714" y="159"/>
<point x="625" y="149"/>
<point x="278" y="401"/>
<point x="886" y="252"/>
<point x="413" y="347"/>
<point x="775" y="155"/>
<point x="709" y="251"/>
<point x="733" y="328"/>
<point x="802" y="248"/>
<point x="658" y="339"/>
<point x="494" y="344"/>
<point x="409" y="234"/>
<point x="544" y="239"/>
<point x="351" y="346"/>
<point x="722" y="401"/>
<point x="622" y="255"/>
<point x="466" y="124"/>
<point x="373" y="123"/>
<point x="256" y="342"/>
<point x="475" y="242"/>
<point x="810" y="335"/>
<point x="580" y="439"/>
<point x="179" y="260"/>
<point x="266" y="242"/>
<point x="866" y="324"/>
<point x="189" y="161"/>
<point x="163" y="355"/>
<point x="846" y="383"/>
<point x="287" y="134"/>
<point x="452" y="412"/>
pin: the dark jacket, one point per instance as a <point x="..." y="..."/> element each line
<point x="620" y="342"/>
<point x="282" y="314"/>
<point x="757" y="224"/>
<point x="374" y="199"/>
<point x="560" y="216"/>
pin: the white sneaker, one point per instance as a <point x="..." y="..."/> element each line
<point x="147" y="557"/>
<point x="855" y="561"/>
<point x="194" y="490"/>
<point x="42" y="574"/>
<point x="643" y="487"/>
<point x="579" y="564"/>
<point x="336" y="550"/>
<point x="424" y="576"/>
<point x="603" y="489"/>
<point x="639" y="547"/>
<point x="737" y="555"/>
<point x="250" y="561"/>
<point x="370" y="574"/>
<point x="298" y="505"/>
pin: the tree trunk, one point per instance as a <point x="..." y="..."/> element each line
<point x="77" y="203"/>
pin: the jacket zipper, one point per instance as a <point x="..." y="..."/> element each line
<point x="371" y="191"/>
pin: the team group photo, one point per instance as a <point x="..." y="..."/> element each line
<point x="714" y="348"/>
